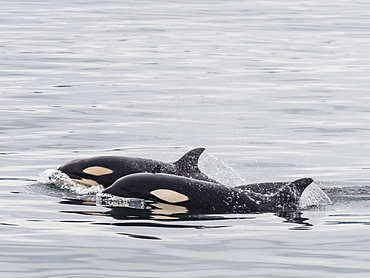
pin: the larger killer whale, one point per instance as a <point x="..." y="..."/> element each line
<point x="207" y="197"/>
<point x="105" y="170"/>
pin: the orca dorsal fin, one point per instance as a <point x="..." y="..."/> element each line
<point x="301" y="184"/>
<point x="189" y="161"/>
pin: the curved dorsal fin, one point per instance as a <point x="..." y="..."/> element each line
<point x="189" y="161"/>
<point x="301" y="184"/>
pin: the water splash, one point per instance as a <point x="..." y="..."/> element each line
<point x="220" y="171"/>
<point x="313" y="196"/>
<point x="64" y="182"/>
<point x="53" y="176"/>
<point x="108" y="200"/>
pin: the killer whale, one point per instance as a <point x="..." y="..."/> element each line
<point x="105" y="170"/>
<point x="199" y="196"/>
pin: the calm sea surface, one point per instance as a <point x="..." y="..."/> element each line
<point x="275" y="90"/>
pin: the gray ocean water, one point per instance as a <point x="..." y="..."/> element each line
<point x="275" y="90"/>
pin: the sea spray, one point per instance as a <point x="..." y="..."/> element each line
<point x="313" y="196"/>
<point x="64" y="182"/>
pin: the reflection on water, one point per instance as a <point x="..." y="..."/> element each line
<point x="160" y="211"/>
<point x="152" y="210"/>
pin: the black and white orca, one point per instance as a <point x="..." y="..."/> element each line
<point x="105" y="170"/>
<point x="199" y="196"/>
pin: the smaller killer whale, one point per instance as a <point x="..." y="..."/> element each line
<point x="105" y="170"/>
<point x="199" y="196"/>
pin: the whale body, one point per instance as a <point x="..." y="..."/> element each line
<point x="105" y="170"/>
<point x="207" y="197"/>
<point x="274" y="187"/>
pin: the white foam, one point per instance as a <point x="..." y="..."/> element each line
<point x="108" y="200"/>
<point x="53" y="176"/>
<point x="63" y="181"/>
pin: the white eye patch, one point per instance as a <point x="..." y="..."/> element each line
<point x="97" y="171"/>
<point x="169" y="195"/>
